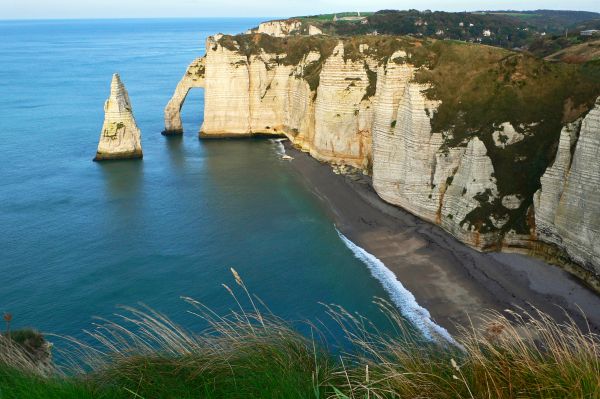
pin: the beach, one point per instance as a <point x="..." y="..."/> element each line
<point x="454" y="282"/>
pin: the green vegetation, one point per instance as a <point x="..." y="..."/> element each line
<point x="25" y="385"/>
<point x="329" y="17"/>
<point x="28" y="339"/>
<point x="482" y="87"/>
<point x="576" y="52"/>
<point x="541" y="32"/>
<point x="253" y="354"/>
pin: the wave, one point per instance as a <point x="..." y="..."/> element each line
<point x="402" y="298"/>
<point x="279" y="148"/>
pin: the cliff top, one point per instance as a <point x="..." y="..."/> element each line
<point x="540" y="31"/>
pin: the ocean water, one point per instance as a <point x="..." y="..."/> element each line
<point x="78" y="238"/>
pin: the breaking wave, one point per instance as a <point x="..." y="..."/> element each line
<point x="279" y="148"/>
<point x="402" y="298"/>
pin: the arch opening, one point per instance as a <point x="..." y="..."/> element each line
<point x="193" y="78"/>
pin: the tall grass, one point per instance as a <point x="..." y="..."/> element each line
<point x="250" y="353"/>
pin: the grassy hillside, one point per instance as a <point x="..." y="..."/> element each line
<point x="252" y="354"/>
<point x="539" y="31"/>
<point x="578" y="53"/>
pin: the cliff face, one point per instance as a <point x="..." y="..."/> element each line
<point x="280" y="28"/>
<point x="258" y="94"/>
<point x="567" y="206"/>
<point x="460" y="135"/>
<point x="120" y="137"/>
<point x="283" y="28"/>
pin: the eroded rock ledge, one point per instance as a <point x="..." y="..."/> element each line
<point x="461" y="135"/>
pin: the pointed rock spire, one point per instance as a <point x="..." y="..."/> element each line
<point x="120" y="137"/>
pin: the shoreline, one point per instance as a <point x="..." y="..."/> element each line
<point x="454" y="282"/>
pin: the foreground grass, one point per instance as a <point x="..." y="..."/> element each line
<point x="253" y="355"/>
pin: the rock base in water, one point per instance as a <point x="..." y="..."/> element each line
<point x="176" y="132"/>
<point x="108" y="157"/>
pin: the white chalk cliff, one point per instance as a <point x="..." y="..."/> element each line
<point x="280" y="28"/>
<point x="367" y="111"/>
<point x="288" y="27"/>
<point x="567" y="206"/>
<point x="120" y="137"/>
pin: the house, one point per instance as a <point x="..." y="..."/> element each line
<point x="591" y="32"/>
<point x="440" y="32"/>
<point x="461" y="24"/>
<point x="487" y="33"/>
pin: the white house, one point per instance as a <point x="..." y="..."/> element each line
<point x="591" y="32"/>
<point x="487" y="33"/>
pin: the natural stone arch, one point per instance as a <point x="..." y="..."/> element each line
<point x="193" y="77"/>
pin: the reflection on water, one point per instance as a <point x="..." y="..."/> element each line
<point x="122" y="178"/>
<point x="175" y="150"/>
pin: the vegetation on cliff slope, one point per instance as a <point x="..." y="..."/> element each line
<point x="479" y="89"/>
<point x="482" y="87"/>
<point x="253" y="354"/>
<point x="539" y="31"/>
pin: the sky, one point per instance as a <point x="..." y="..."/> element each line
<point x="35" y="9"/>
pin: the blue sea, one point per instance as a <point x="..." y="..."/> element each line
<point x="78" y="238"/>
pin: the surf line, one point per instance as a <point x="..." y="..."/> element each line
<point x="402" y="298"/>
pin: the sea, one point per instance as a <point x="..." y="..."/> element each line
<point x="79" y="239"/>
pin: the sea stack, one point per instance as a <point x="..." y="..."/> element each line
<point x="120" y="137"/>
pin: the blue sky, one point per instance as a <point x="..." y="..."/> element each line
<point x="10" y="9"/>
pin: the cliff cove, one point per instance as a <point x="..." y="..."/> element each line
<point x="441" y="148"/>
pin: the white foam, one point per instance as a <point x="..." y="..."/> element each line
<point x="402" y="298"/>
<point x="279" y="148"/>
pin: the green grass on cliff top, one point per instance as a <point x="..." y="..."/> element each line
<point x="252" y="354"/>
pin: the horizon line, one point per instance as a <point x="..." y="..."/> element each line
<point x="90" y="18"/>
<point x="122" y="18"/>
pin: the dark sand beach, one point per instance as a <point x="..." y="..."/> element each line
<point x="451" y="280"/>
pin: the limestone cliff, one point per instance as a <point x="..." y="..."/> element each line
<point x="457" y="134"/>
<point x="567" y="206"/>
<point x="120" y="137"/>
<point x="287" y="27"/>
<point x="280" y="28"/>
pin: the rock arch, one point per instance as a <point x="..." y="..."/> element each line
<point x="193" y="77"/>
